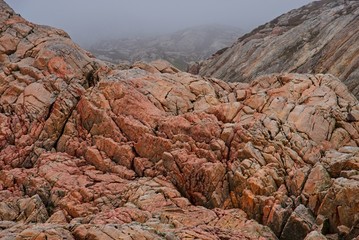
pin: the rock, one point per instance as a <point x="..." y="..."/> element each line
<point x="193" y="68"/>
<point x="133" y="231"/>
<point x="146" y="67"/>
<point x="299" y="224"/>
<point x="43" y="232"/>
<point x="343" y="230"/>
<point x="323" y="224"/>
<point x="41" y="88"/>
<point x="58" y="217"/>
<point x="26" y="210"/>
<point x="164" y="66"/>
<point x="340" y="194"/>
<point x="315" y="236"/>
<point x="354" y="232"/>
<point x="317" y="184"/>
<point x="317" y="38"/>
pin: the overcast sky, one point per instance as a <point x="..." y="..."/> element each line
<point x="90" y="20"/>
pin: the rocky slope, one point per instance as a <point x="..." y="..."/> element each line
<point x="321" y="37"/>
<point x="180" y="48"/>
<point x="93" y="151"/>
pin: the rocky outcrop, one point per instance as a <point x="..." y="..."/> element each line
<point x="321" y="37"/>
<point x="43" y="74"/>
<point x="94" y="151"/>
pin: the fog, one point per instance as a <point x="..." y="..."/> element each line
<point x="88" y="21"/>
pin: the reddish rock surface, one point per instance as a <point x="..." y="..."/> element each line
<point x="89" y="151"/>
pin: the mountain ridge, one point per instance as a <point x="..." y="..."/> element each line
<point x="320" y="37"/>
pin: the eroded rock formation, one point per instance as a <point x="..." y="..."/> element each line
<point x="94" y="151"/>
<point x="321" y="37"/>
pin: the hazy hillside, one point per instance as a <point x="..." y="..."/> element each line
<point x="179" y="48"/>
<point x="322" y="37"/>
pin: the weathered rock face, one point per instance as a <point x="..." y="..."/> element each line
<point x="321" y="37"/>
<point x="90" y="151"/>
<point x="43" y="74"/>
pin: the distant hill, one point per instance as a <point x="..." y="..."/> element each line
<point x="179" y="48"/>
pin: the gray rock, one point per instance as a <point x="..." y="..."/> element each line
<point x="315" y="236"/>
<point x="318" y="38"/>
<point x="299" y="224"/>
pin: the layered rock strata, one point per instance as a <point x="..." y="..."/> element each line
<point x="321" y="37"/>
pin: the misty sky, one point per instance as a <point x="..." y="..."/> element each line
<point x="88" y="21"/>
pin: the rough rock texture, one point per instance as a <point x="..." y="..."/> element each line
<point x="321" y="37"/>
<point x="42" y="78"/>
<point x="93" y="151"/>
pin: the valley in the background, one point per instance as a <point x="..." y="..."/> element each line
<point x="179" y="48"/>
